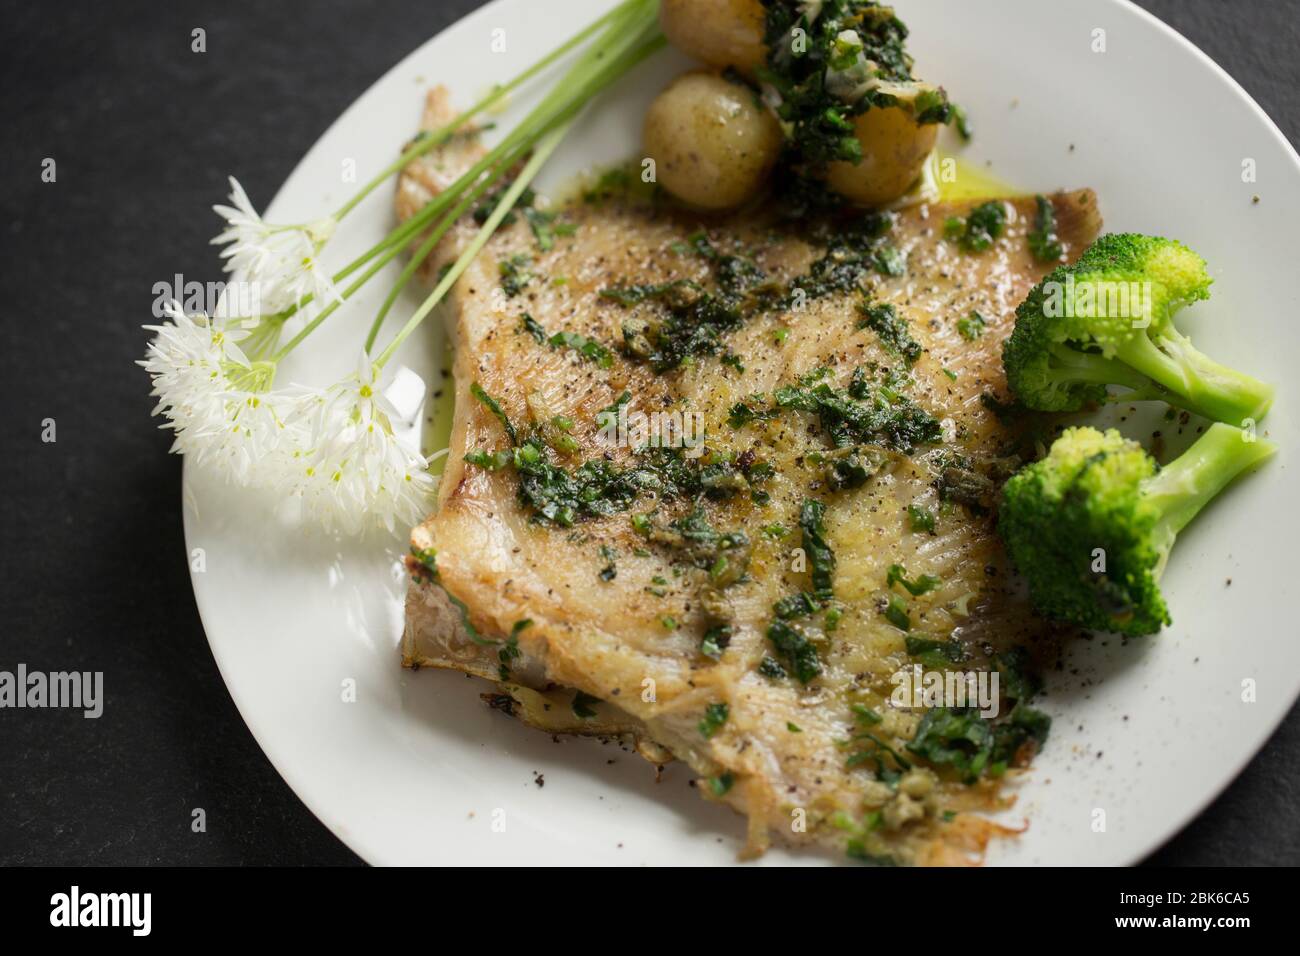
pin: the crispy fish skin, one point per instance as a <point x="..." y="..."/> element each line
<point x="608" y="638"/>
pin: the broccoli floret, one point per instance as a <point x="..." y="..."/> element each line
<point x="1108" y="320"/>
<point x="1091" y="525"/>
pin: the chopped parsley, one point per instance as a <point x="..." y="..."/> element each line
<point x="821" y="558"/>
<point x="891" y="262"/>
<point x="788" y="638"/>
<point x="852" y="467"/>
<point x="867" y="413"/>
<point x="986" y="223"/>
<point x="589" y="349"/>
<point x="718" y="786"/>
<point x="853" y="251"/>
<point x="974" y="746"/>
<point x="922" y="585"/>
<point x="618" y="403"/>
<point x="510" y="652"/>
<point x="693" y="324"/>
<point x="725" y="555"/>
<point x="895" y="612"/>
<point x="972" y="326"/>
<point x="961" y="120"/>
<point x="533" y="327"/>
<point x="594" y="489"/>
<point x="545" y="228"/>
<point x="598" y="488"/>
<point x="936" y="655"/>
<point x="716" y="640"/>
<point x="865" y="714"/>
<point x="514" y="274"/>
<point x="743" y="413"/>
<point x="895" y="336"/>
<point x="849" y="56"/>
<point x="692" y="319"/>
<point x="869" y="748"/>
<point x="793" y="645"/>
<point x="715" y="715"/>
<point x="584" y="705"/>
<point x="1043" y="242"/>
<point x="494" y="407"/>
<point x="610" y="571"/>
<point x="920" y="519"/>
<point x="798" y="605"/>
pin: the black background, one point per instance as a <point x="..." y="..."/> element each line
<point x="95" y="575"/>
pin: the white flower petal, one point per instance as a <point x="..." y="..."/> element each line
<point x="358" y="473"/>
<point x="282" y="262"/>
<point x="240" y="433"/>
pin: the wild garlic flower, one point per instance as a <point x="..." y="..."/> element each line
<point x="355" y="470"/>
<point x="281" y="262"/>
<point x="217" y="401"/>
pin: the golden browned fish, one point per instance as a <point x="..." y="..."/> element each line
<point x="732" y="604"/>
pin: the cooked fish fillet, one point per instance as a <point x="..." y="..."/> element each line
<point x="618" y="610"/>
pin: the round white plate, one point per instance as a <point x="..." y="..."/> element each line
<point x="418" y="770"/>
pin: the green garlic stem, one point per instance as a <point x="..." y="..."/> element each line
<point x="426" y="248"/>
<point x="429" y="142"/>
<point x="627" y="41"/>
<point x="539" y="158"/>
<point x="403" y="233"/>
<point x="633" y="42"/>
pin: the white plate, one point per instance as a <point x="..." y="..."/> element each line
<point x="417" y="769"/>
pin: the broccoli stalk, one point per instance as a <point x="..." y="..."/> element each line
<point x="1108" y="320"/>
<point x="1168" y="367"/>
<point x="1091" y="526"/>
<point x="1187" y="484"/>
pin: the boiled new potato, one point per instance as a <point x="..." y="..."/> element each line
<point x="722" y="33"/>
<point x="894" y="150"/>
<point x="713" y="143"/>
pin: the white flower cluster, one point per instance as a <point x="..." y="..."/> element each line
<point x="209" y="392"/>
<point x="281" y="262"/>
<point x="352" y="469"/>
<point x="332" y="449"/>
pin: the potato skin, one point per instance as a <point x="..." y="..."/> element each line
<point x="722" y="33"/>
<point x="894" y="149"/>
<point x="713" y="144"/>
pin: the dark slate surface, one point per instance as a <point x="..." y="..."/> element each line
<point x="95" y="577"/>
